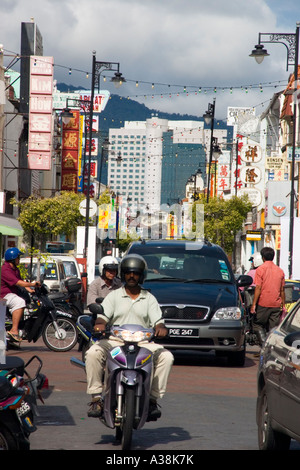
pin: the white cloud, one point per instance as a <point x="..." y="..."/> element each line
<point x="176" y="42"/>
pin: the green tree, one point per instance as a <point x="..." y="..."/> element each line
<point x="223" y="218"/>
<point x="105" y="197"/>
<point x="45" y="218"/>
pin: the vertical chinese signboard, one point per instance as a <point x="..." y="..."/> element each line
<point x="40" y="113"/>
<point x="224" y="173"/>
<point x="252" y="172"/>
<point x="70" y="153"/>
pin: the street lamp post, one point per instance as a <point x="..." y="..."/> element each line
<point x="291" y="42"/>
<point x="209" y="118"/>
<point x="216" y="153"/>
<point x="97" y="68"/>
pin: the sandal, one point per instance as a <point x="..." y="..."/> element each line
<point x="14" y="338"/>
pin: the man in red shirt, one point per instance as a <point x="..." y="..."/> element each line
<point x="269" y="297"/>
<point x="10" y="281"/>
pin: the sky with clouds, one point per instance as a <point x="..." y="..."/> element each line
<point x="171" y="43"/>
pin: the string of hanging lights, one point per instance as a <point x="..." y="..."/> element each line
<point x="181" y="89"/>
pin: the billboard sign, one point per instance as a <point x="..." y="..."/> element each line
<point x="40" y="113"/>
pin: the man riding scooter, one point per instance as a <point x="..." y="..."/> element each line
<point x="129" y="304"/>
<point x="107" y="282"/>
<point x="10" y="282"/>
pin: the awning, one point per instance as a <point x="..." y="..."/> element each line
<point x="10" y="226"/>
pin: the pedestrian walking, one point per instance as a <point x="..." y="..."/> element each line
<point x="269" y="297"/>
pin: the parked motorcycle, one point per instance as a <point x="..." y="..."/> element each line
<point x="18" y="402"/>
<point x="70" y="301"/>
<point x="127" y="380"/>
<point x="41" y="318"/>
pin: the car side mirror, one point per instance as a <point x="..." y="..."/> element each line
<point x="244" y="280"/>
<point x="293" y="339"/>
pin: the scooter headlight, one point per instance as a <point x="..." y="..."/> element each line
<point x="132" y="337"/>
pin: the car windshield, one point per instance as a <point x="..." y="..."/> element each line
<point x="188" y="265"/>
<point x="70" y="268"/>
<point x="48" y="270"/>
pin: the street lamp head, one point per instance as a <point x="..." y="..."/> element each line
<point x="259" y="53"/>
<point x="207" y="117"/>
<point x="118" y="80"/>
<point x="66" y="116"/>
<point x="209" y="114"/>
<point x="119" y="159"/>
<point x="217" y="152"/>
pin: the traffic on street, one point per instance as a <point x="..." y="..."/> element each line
<point x="208" y="406"/>
<point x="150" y="279"/>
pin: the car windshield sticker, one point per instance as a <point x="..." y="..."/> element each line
<point x="224" y="270"/>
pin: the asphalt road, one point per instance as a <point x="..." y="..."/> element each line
<point x="208" y="406"/>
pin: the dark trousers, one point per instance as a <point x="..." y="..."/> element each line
<point x="264" y="320"/>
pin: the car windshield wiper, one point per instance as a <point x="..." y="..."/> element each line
<point x="208" y="280"/>
<point x="166" y="278"/>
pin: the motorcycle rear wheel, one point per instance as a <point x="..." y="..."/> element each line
<point x="128" y="418"/>
<point x="68" y="332"/>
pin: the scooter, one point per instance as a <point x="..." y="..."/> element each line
<point x="85" y="323"/>
<point x="42" y="318"/>
<point x="127" y="380"/>
<point x="18" y="402"/>
<point x="247" y="298"/>
<point x="70" y="301"/>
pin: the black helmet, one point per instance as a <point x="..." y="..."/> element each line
<point x="134" y="263"/>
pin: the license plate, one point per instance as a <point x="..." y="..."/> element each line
<point x="23" y="409"/>
<point x="184" y="332"/>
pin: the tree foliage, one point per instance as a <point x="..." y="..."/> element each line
<point x="223" y="219"/>
<point x="43" y="218"/>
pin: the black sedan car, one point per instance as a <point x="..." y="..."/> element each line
<point x="198" y="294"/>
<point x="278" y="401"/>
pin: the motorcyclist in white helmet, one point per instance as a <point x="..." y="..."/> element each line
<point x="248" y="292"/>
<point x="256" y="260"/>
<point x="108" y="280"/>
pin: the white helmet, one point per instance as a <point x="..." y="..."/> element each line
<point x="108" y="262"/>
<point x="257" y="259"/>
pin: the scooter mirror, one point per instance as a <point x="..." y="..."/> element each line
<point x="96" y="309"/>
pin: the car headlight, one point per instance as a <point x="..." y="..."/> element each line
<point x="228" y="313"/>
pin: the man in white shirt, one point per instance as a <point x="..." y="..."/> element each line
<point x="129" y="304"/>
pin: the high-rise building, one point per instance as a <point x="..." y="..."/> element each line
<point x="149" y="162"/>
<point x="127" y="161"/>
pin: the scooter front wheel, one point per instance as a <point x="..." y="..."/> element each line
<point x="61" y="335"/>
<point x="128" y="418"/>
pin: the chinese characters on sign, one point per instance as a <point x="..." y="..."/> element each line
<point x="70" y="150"/>
<point x="251" y="171"/>
<point x="40" y="113"/>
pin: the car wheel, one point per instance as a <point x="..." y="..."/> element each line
<point x="268" y="439"/>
